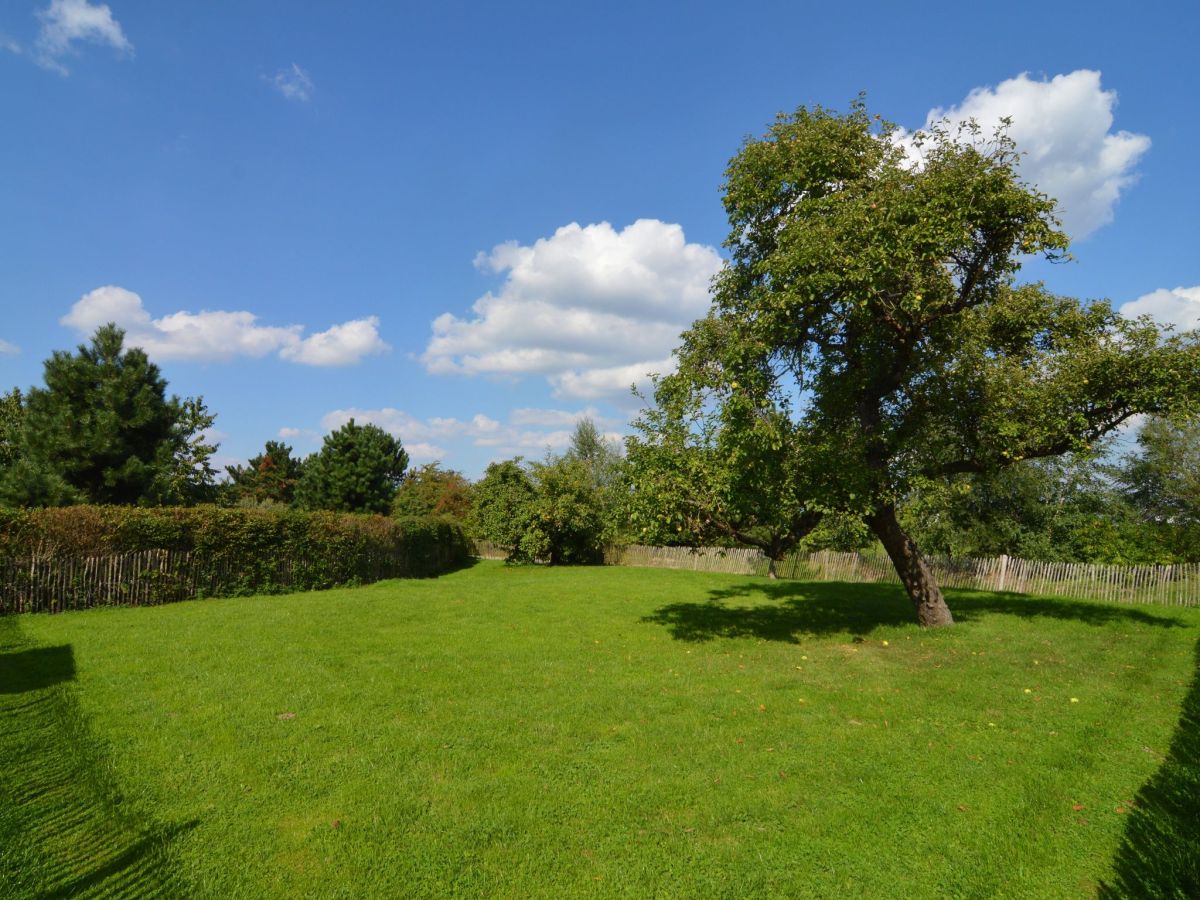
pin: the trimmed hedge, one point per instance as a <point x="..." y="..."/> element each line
<point x="209" y="551"/>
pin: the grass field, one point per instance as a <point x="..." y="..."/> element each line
<point x="549" y="732"/>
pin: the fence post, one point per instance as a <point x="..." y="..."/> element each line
<point x="1003" y="571"/>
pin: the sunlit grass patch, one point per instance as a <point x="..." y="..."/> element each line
<point x="530" y="731"/>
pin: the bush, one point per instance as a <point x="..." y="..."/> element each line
<point x="567" y="523"/>
<point x="228" y="552"/>
<point x="502" y="507"/>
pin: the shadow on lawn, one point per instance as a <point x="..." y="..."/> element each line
<point x="63" y="828"/>
<point x="1159" y="854"/>
<point x="836" y="607"/>
<point x="35" y="669"/>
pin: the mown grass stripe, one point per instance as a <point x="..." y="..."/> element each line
<point x="63" y="828"/>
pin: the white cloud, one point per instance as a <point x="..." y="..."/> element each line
<point x="294" y="83"/>
<point x="1179" y="307"/>
<point x="426" y="438"/>
<point x="217" y="335"/>
<point x="1063" y="126"/>
<point x="560" y="418"/>
<point x="408" y="427"/>
<point x="11" y="46"/>
<point x="591" y="309"/>
<point x="484" y="424"/>
<point x="66" y="22"/>
<point x="288" y="434"/>
<point x="7" y="348"/>
<point x="424" y="452"/>
<point x="341" y="345"/>
<point x="593" y="384"/>
<point x="299" y="435"/>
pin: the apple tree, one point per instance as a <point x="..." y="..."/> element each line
<point x="870" y="302"/>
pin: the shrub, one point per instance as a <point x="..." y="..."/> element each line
<point x="229" y="552"/>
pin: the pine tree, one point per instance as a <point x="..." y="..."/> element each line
<point x="103" y="430"/>
<point x="358" y="469"/>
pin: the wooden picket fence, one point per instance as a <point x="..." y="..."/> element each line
<point x="733" y="560"/>
<point x="1174" y="585"/>
<point x="152" y="577"/>
<point x="54" y="584"/>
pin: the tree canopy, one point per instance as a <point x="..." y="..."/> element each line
<point x="268" y="478"/>
<point x="870" y="303"/>
<point x="433" y="491"/>
<point x="568" y="521"/>
<point x="502" y="506"/>
<point x="185" y="472"/>
<point x="697" y="477"/>
<point x="561" y="510"/>
<point x="1068" y="508"/>
<point x="103" y="430"/>
<point x="1162" y="482"/>
<point x="358" y="469"/>
<point x="12" y="420"/>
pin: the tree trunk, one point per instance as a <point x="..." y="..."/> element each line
<point x="771" y="573"/>
<point x="914" y="572"/>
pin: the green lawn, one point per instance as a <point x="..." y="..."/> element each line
<point x="530" y="731"/>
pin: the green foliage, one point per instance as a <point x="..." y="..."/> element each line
<point x="1064" y="509"/>
<point x="431" y="545"/>
<point x="605" y="472"/>
<point x="562" y="510"/>
<point x="240" y="551"/>
<point x="103" y="430"/>
<point x="12" y="420"/>
<point x="433" y="491"/>
<point x="102" y="419"/>
<point x="358" y="469"/>
<point x="699" y="478"/>
<point x="870" y="304"/>
<point x="185" y="473"/>
<point x="567" y="522"/>
<point x="1162" y="482"/>
<point x="28" y="483"/>
<point x="502" y="506"/>
<point x="840" y="532"/>
<point x="1074" y="508"/>
<point x="269" y="478"/>
<point x="601" y="457"/>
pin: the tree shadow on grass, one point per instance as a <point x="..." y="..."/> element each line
<point x="785" y="610"/>
<point x="35" y="668"/>
<point x="64" y="828"/>
<point x="1159" y="854"/>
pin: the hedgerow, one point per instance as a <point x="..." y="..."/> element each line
<point x="210" y="551"/>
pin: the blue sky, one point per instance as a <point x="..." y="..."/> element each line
<point x="473" y="223"/>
